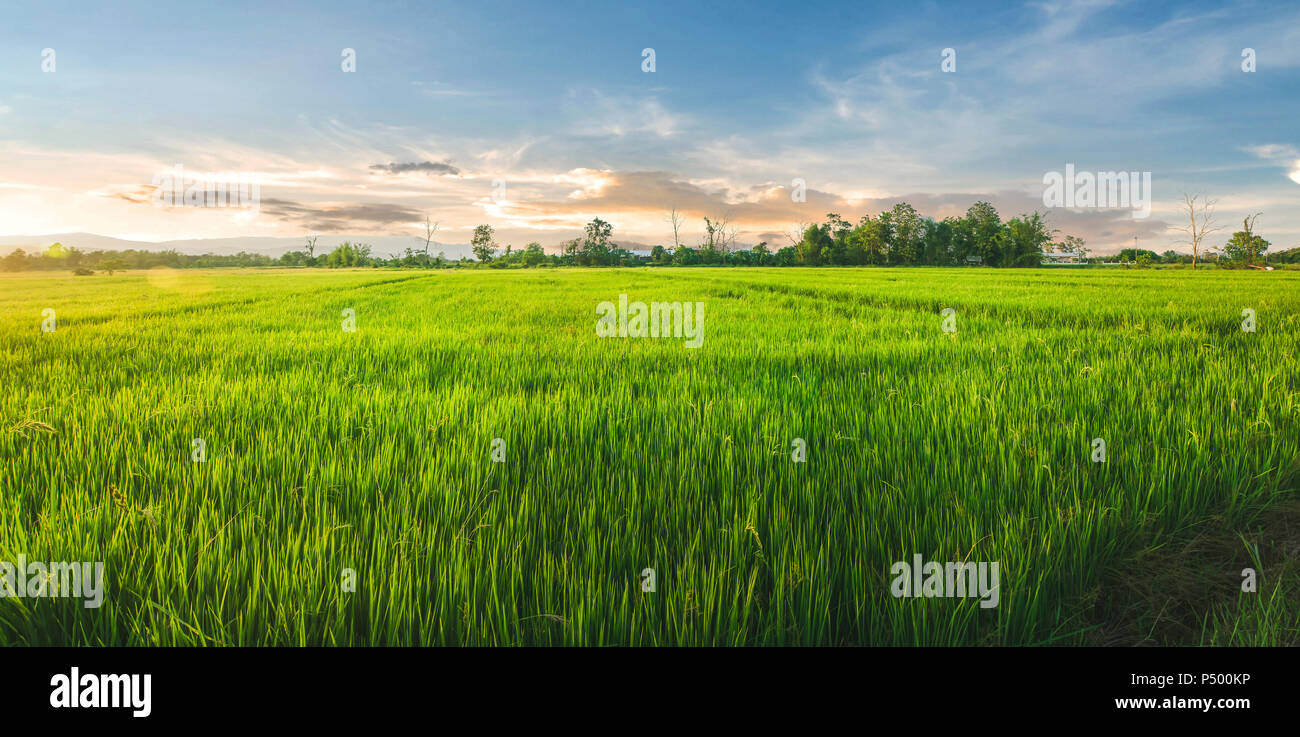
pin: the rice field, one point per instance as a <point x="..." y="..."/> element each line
<point x="472" y="465"/>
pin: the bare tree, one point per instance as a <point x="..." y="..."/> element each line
<point x="311" y="246"/>
<point x="1200" y="215"/>
<point x="729" y="234"/>
<point x="430" y="229"/>
<point x="795" y="234"/>
<point x="676" y="219"/>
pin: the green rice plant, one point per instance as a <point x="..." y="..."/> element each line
<point x="348" y="494"/>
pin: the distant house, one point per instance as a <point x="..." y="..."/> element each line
<point x="975" y="260"/>
<point x="1061" y="259"/>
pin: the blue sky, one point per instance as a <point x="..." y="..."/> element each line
<point x="551" y="100"/>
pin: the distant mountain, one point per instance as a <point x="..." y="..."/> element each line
<point x="381" y="245"/>
<point x="84" y="241"/>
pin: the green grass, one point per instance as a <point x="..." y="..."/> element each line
<point x="330" y="450"/>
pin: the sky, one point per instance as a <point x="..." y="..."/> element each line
<point x="536" y="117"/>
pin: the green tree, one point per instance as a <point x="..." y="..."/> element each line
<point x="906" y="234"/>
<point x="940" y="241"/>
<point x="1073" y="244"/>
<point x="112" y="264"/>
<point x="1135" y="255"/>
<point x="571" y="253"/>
<point x="534" y="255"/>
<point x="483" y="243"/>
<point x="718" y="238"/>
<point x="983" y="233"/>
<point x="343" y="256"/>
<point x="869" y="239"/>
<point x="16" y="260"/>
<point x="1023" y="239"/>
<point x="839" y="231"/>
<point x="596" y="248"/>
<point x="1243" y="248"/>
<point x="815" y="245"/>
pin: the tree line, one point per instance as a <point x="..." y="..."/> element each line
<point x="897" y="237"/>
<point x="900" y="236"/>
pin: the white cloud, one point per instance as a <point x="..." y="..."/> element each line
<point x="1280" y="154"/>
<point x="619" y="116"/>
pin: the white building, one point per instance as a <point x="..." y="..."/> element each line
<point x="1061" y="259"/>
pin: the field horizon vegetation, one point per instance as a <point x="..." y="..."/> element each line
<point x="375" y="451"/>
<point x="900" y="236"/>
